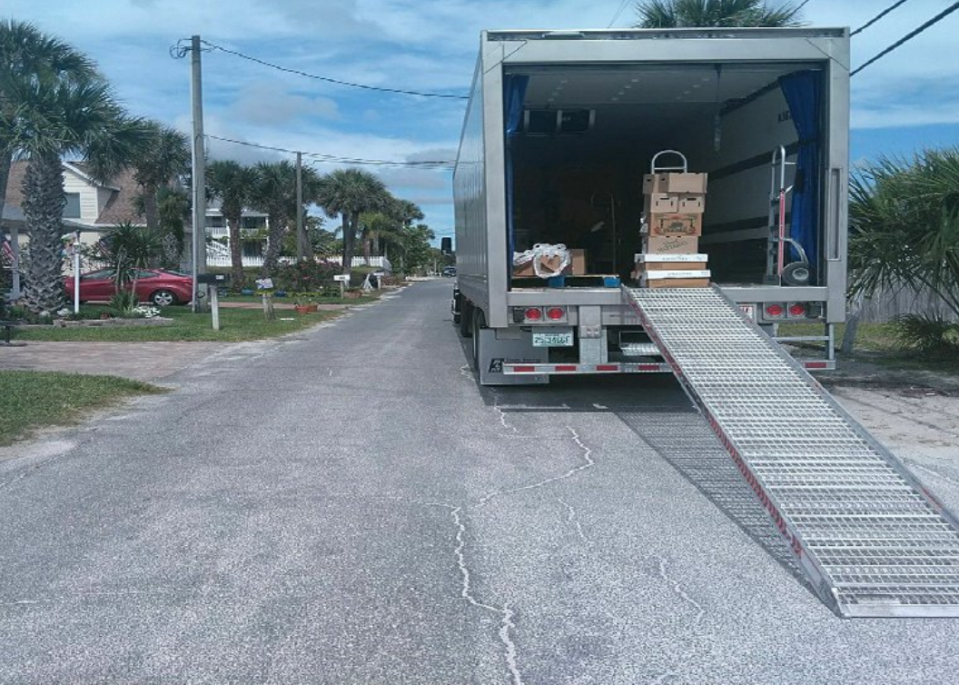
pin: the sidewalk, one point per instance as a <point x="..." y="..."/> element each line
<point x="148" y="361"/>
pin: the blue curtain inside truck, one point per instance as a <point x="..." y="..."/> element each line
<point x="803" y="93"/>
<point x="514" y="91"/>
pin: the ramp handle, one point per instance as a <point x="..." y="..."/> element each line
<point x="653" y="169"/>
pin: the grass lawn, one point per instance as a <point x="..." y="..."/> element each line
<point x="236" y="325"/>
<point x="35" y="399"/>
<point x="877" y="343"/>
<point x="365" y="299"/>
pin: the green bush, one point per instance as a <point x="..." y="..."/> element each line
<point x="304" y="276"/>
<point x="929" y="333"/>
<point x="123" y="302"/>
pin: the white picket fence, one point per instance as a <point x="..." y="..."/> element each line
<point x="218" y="255"/>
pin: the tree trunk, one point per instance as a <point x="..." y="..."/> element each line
<point x="349" y="240"/>
<point x="43" y="203"/>
<point x="275" y="244"/>
<point x="367" y="245"/>
<point x="150" y="211"/>
<point x="6" y="161"/>
<point x="236" y="251"/>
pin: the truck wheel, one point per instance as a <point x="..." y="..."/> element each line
<point x="457" y="309"/>
<point x="797" y="273"/>
<point x="479" y="323"/>
<point x="466" y="318"/>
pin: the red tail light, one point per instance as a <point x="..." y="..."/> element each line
<point x="797" y="309"/>
<point x="774" y="311"/>
<point x="555" y="313"/>
<point x="534" y="314"/>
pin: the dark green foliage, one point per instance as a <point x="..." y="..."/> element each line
<point x="904" y="226"/>
<point x="932" y="333"/>
<point x="667" y="14"/>
<point x="305" y="276"/>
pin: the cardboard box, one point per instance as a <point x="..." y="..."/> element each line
<point x="576" y="267"/>
<point x="673" y="275"/>
<point x="660" y="203"/>
<point x="691" y="184"/>
<point x="672" y="244"/>
<point x="674" y="279"/>
<point x="677" y="283"/>
<point x="675" y="224"/>
<point x="578" y="264"/>
<point x="643" y="267"/>
<point x="528" y="271"/>
<point x="690" y="204"/>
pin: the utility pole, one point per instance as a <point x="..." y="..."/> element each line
<point x="199" y="173"/>
<point x="300" y="233"/>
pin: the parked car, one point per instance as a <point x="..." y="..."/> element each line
<point x="158" y="287"/>
<point x="449" y="271"/>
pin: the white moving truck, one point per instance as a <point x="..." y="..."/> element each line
<point x="560" y="128"/>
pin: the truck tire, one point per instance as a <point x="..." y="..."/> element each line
<point x="466" y="318"/>
<point x="479" y="323"/>
<point x="797" y="274"/>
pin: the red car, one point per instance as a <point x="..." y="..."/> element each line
<point x="157" y="287"/>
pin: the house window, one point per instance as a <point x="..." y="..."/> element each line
<point x="72" y="208"/>
<point x="215" y="221"/>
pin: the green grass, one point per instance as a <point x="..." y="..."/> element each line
<point x="877" y="343"/>
<point x="236" y="325"/>
<point x="870" y="337"/>
<point x="365" y="299"/>
<point x="35" y="399"/>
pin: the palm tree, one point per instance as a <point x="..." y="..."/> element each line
<point x="234" y="185"/>
<point x="348" y="193"/>
<point x="668" y="14"/>
<point x="165" y="156"/>
<point x="904" y="226"/>
<point x="274" y="192"/>
<point x="56" y="119"/>
<point x="27" y="57"/>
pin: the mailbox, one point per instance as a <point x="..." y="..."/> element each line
<point x="213" y="279"/>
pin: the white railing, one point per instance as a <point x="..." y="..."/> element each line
<point x="378" y="262"/>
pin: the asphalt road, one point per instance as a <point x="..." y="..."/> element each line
<point x="350" y="507"/>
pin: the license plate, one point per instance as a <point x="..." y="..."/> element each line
<point x="553" y="339"/>
<point x="749" y="310"/>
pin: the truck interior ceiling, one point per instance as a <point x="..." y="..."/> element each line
<point x="580" y="138"/>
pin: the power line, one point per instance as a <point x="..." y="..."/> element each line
<point x="622" y="6"/>
<point x="877" y="17"/>
<point x="322" y="157"/>
<point x="327" y="79"/>
<point x="909" y="36"/>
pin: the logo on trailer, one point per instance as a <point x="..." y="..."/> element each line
<point x="496" y="366"/>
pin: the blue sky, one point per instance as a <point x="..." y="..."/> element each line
<point x="908" y="100"/>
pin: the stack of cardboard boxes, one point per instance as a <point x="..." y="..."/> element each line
<point x="674" y="206"/>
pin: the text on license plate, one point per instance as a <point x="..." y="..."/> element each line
<point x="553" y="339"/>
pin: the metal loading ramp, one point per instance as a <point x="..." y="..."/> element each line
<point x="870" y="538"/>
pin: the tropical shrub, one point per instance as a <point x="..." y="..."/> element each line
<point x="304" y="276"/>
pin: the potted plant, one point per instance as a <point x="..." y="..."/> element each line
<point x="304" y="303"/>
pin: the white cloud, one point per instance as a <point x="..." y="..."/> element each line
<point x="266" y="102"/>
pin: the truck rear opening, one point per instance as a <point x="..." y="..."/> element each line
<point x="585" y="134"/>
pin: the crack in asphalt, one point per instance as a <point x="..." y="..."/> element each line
<point x="505" y="613"/>
<point x="677" y="587"/>
<point x="573" y="521"/>
<point x="588" y="462"/>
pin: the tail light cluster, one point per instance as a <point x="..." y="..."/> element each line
<point x="791" y="310"/>
<point x="540" y="315"/>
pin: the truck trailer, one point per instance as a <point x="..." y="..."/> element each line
<point x="561" y="127"/>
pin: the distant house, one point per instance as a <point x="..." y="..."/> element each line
<point x="93" y="208"/>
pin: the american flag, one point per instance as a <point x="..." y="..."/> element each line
<point x="6" y="251"/>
